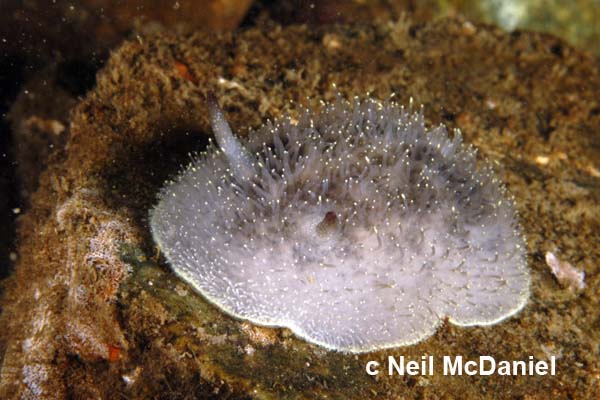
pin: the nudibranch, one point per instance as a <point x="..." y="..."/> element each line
<point x="355" y="226"/>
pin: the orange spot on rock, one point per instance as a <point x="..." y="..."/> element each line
<point x="114" y="353"/>
<point x="184" y="71"/>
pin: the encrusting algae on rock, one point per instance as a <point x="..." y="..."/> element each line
<point x="355" y="226"/>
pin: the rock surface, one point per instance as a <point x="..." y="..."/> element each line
<point x="93" y="311"/>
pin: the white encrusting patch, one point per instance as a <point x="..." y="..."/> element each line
<point x="354" y="226"/>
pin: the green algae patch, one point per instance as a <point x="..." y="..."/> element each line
<point x="270" y="363"/>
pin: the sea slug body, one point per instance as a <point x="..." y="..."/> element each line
<point x="355" y="226"/>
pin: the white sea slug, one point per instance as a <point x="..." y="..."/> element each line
<point x="354" y="226"/>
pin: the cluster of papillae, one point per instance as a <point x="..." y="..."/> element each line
<point x="354" y="226"/>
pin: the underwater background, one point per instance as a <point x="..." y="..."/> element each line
<point x="103" y="101"/>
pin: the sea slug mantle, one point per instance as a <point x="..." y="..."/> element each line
<point x="355" y="226"/>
